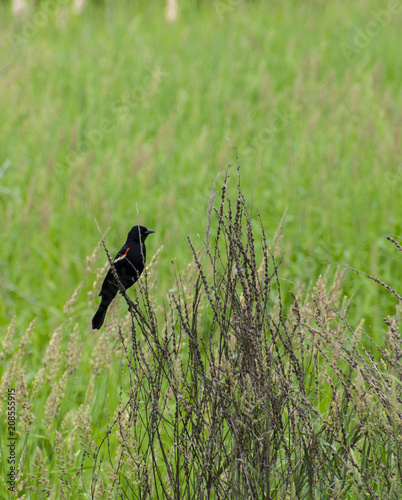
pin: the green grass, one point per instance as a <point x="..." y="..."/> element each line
<point x="159" y="100"/>
<point x="117" y="111"/>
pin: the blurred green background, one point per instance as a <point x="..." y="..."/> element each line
<point x="115" y="110"/>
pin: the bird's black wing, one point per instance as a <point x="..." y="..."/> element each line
<point x="121" y="255"/>
<point x="109" y="283"/>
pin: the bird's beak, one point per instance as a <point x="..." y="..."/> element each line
<point x="149" y="231"/>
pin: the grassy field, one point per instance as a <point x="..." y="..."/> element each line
<point x="118" y="114"/>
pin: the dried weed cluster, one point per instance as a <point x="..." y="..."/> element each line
<point x="225" y="392"/>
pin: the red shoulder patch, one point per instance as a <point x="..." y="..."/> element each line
<point x="121" y="256"/>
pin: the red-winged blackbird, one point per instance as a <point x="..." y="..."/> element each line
<point x="129" y="264"/>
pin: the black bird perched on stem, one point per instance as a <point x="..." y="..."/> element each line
<point x="129" y="264"/>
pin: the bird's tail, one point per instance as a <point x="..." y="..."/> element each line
<point x="99" y="318"/>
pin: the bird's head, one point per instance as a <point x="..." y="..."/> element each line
<point x="138" y="233"/>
